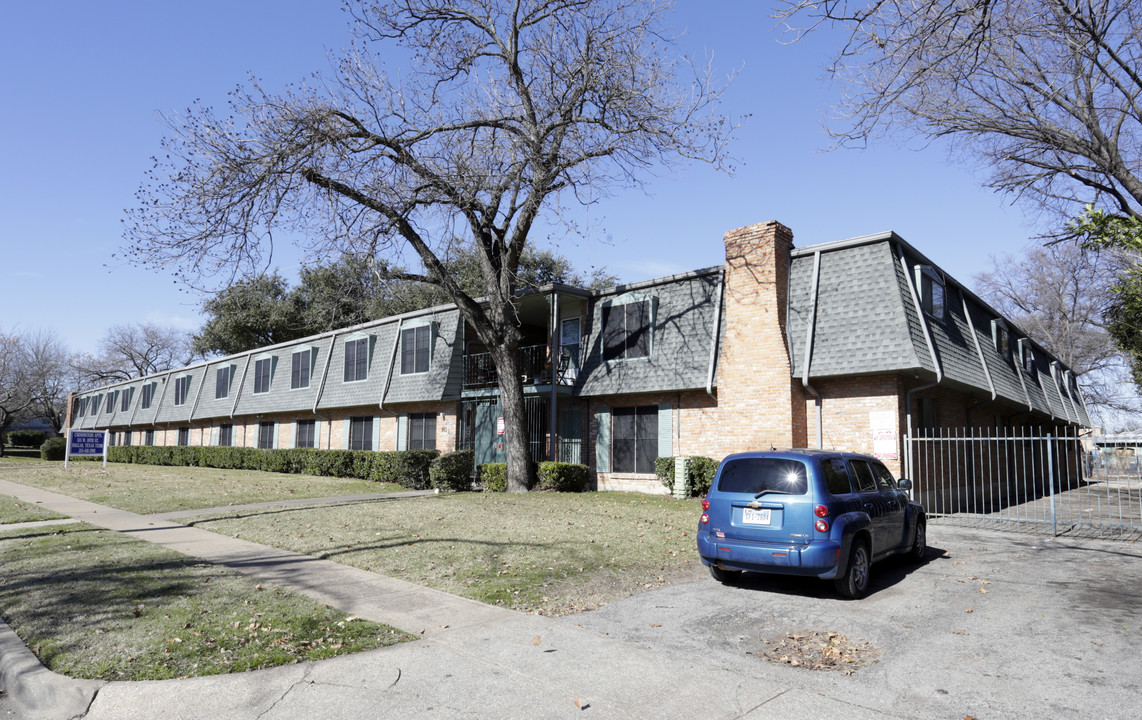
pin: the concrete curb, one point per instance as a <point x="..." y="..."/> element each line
<point x="33" y="691"/>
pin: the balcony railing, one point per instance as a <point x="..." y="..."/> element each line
<point x="535" y="368"/>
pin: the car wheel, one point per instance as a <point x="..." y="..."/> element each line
<point x="726" y="577"/>
<point x="854" y="583"/>
<point x="920" y="544"/>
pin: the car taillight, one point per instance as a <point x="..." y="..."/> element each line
<point x="705" y="519"/>
<point x="705" y="504"/>
<point x="822" y="526"/>
<point x="821" y="511"/>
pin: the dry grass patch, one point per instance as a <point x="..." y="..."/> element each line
<point x="550" y="553"/>
<point x="147" y="489"/>
<point x="96" y="604"/>
<point x="14" y="511"/>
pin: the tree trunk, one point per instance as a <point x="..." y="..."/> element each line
<point x="521" y="474"/>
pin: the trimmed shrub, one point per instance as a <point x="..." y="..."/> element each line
<point x="407" y="468"/>
<point x="701" y="473"/>
<point x="562" y="477"/>
<point x="493" y="476"/>
<point x="53" y="449"/>
<point x="664" y="469"/>
<point x="452" y="471"/>
<point x="26" y="438"/>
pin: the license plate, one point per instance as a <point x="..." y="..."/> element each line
<point x="755" y="516"/>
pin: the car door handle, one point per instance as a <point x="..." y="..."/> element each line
<point x="868" y="506"/>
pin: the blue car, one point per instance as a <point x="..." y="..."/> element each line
<point x="807" y="512"/>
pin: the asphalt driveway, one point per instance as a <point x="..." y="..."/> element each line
<point x="991" y="625"/>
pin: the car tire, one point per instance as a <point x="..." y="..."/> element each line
<point x="725" y="577"/>
<point x="854" y="583"/>
<point x="920" y="541"/>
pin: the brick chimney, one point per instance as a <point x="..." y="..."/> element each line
<point x="760" y="404"/>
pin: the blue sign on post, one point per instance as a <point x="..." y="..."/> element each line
<point x="86" y="443"/>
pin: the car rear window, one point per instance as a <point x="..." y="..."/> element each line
<point x="836" y="477"/>
<point x="757" y="475"/>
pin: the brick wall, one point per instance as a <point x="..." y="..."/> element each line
<point x="759" y="403"/>
<point x="860" y="414"/>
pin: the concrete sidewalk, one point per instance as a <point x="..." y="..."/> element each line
<point x="474" y="660"/>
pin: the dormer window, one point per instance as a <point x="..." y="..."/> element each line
<point x="181" y="389"/>
<point x="628" y="327"/>
<point x="1001" y="336"/>
<point x="263" y="373"/>
<point x="1026" y="355"/>
<point x="930" y="283"/>
<point x="357" y="358"/>
<point x="415" y="349"/>
<point x="301" y="366"/>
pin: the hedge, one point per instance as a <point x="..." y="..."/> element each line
<point x="26" y="438"/>
<point x="493" y="476"/>
<point x="562" y="477"/>
<point x="701" y="473"/>
<point x="408" y="468"/>
<point x="452" y="471"/>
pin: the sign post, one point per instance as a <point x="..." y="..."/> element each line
<point x="86" y="443"/>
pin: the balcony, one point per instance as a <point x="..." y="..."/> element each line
<point x="480" y="371"/>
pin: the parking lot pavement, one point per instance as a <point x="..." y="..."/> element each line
<point x="991" y="625"/>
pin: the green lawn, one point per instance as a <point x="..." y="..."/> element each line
<point x="150" y="489"/>
<point x="550" y="553"/>
<point x="96" y="604"/>
<point x="93" y="603"/>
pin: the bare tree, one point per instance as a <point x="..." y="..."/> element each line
<point x="1059" y="295"/>
<point x="51" y="377"/>
<point x="508" y="109"/>
<point x="1044" y="92"/>
<point x="15" y="380"/>
<point x="131" y="351"/>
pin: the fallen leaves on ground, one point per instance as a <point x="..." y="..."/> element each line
<point x="817" y="650"/>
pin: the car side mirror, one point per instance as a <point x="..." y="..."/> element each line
<point x="904" y="484"/>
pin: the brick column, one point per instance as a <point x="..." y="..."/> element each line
<point x="760" y="404"/>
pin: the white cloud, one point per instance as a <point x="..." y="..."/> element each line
<point x="181" y="322"/>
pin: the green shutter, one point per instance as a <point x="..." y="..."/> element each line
<point x="274" y="445"/>
<point x="292" y="443"/>
<point x="665" y="431"/>
<point x="402" y="432"/>
<point x="345" y="436"/>
<point x="603" y="440"/>
<point x="376" y="433"/>
<point x="317" y="433"/>
<point x="214" y="435"/>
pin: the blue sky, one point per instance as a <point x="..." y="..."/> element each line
<point x="81" y="120"/>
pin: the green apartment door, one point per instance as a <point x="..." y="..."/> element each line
<point x="487" y="440"/>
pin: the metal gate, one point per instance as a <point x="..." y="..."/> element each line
<point x="1025" y="480"/>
